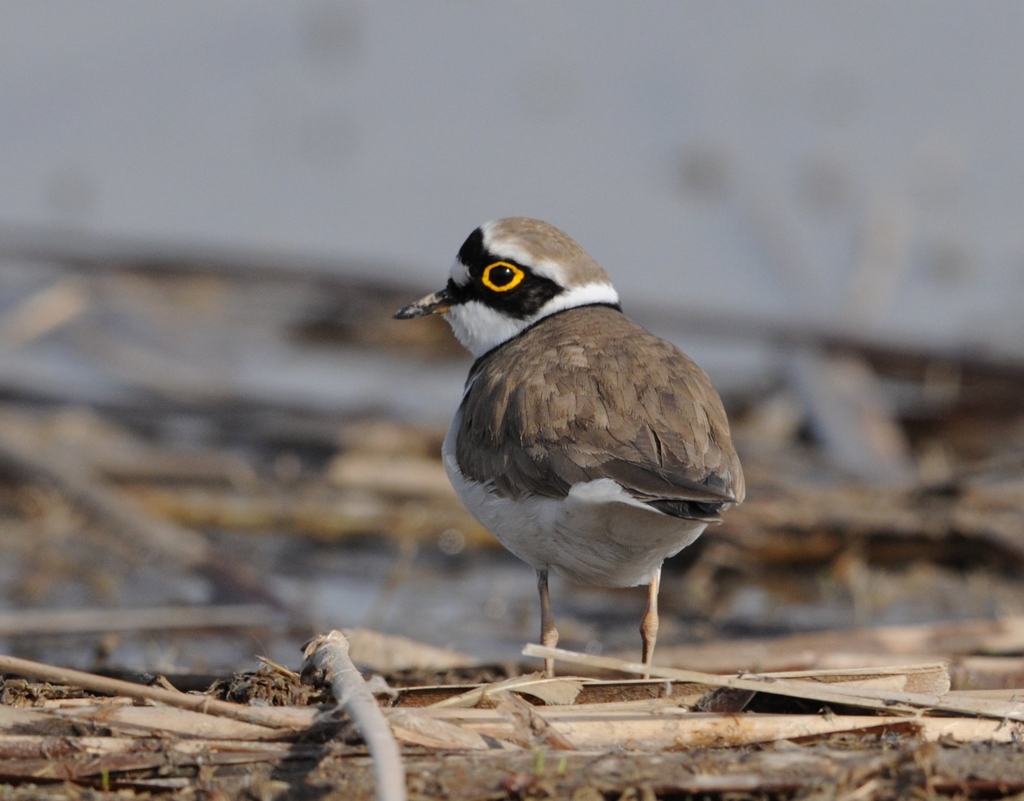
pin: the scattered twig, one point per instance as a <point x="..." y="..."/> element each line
<point x="46" y="757"/>
<point x="281" y="670"/>
<point x="415" y="729"/>
<point x="653" y="725"/>
<point x="275" y="718"/>
<point x="907" y="703"/>
<point x="328" y="654"/>
<point x="933" y="678"/>
<point x="557" y="690"/>
<point x="530" y="729"/>
<point x="119" y="717"/>
<point x="930" y="677"/>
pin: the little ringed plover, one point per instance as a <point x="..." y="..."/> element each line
<point x="583" y="442"/>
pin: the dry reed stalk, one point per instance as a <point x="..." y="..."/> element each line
<point x="328" y="654"/>
<point x="46" y="757"/>
<point x="274" y="718"/>
<point x="140" y="721"/>
<point x="907" y="703"/>
<point x="655" y="727"/>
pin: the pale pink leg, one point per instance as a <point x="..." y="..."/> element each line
<point x="649" y="624"/>
<point x="548" y="632"/>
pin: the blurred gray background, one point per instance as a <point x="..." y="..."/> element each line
<point x="209" y="211"/>
<point x="848" y="164"/>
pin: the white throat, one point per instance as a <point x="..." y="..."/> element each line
<point x="480" y="328"/>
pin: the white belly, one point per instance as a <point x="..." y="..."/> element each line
<point x="597" y="535"/>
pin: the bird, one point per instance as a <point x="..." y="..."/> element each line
<point x="583" y="442"/>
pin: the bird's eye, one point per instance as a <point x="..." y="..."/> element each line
<point x="502" y="276"/>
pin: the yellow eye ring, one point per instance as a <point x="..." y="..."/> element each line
<point x="502" y="276"/>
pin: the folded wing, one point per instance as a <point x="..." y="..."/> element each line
<point x="605" y="399"/>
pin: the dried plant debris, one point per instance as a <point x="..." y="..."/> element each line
<point x="517" y="740"/>
<point x="269" y="687"/>
<point x="18" y="692"/>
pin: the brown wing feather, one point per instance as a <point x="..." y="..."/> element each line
<point x="589" y="394"/>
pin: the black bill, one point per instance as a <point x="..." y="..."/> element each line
<point x="437" y="303"/>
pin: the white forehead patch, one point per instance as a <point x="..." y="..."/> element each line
<point x="547" y="269"/>
<point x="503" y="248"/>
<point x="460" y="273"/>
